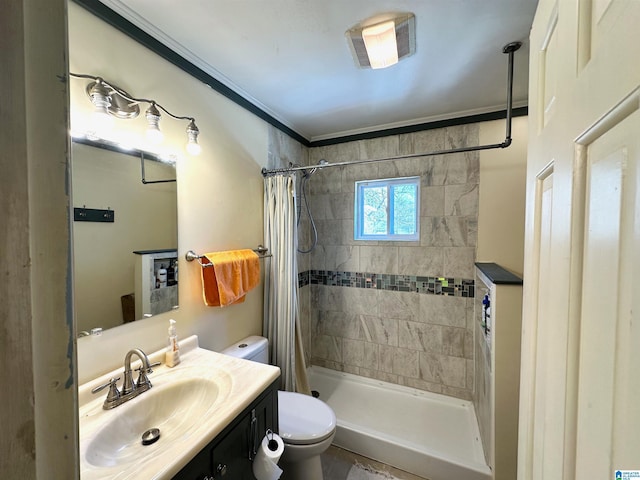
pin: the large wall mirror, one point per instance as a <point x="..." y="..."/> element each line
<point x="125" y="235"/>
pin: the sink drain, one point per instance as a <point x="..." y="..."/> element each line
<point x="151" y="436"/>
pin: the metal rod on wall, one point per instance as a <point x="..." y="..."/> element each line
<point x="144" y="179"/>
<point x="509" y="49"/>
<point x="190" y="256"/>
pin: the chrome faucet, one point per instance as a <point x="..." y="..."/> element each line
<point x="143" y="384"/>
<point x="130" y="389"/>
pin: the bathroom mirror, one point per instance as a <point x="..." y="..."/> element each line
<point x="124" y="233"/>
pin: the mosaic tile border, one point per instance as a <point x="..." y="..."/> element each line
<point x="454" y="287"/>
<point x="303" y="279"/>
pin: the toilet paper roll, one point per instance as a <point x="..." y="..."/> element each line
<point x="265" y="465"/>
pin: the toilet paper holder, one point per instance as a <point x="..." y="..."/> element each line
<point x="272" y="444"/>
<point x="265" y="463"/>
<point x="256" y="440"/>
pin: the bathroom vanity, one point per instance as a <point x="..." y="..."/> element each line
<point x="231" y="453"/>
<point x="209" y="414"/>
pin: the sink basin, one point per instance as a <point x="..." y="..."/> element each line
<point x="190" y="404"/>
<point x="174" y="408"/>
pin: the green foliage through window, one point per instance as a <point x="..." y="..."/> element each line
<point x="387" y="209"/>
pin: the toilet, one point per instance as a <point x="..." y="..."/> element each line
<point x="306" y="425"/>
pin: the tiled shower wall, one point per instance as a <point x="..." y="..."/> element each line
<point x="422" y="340"/>
<point x="415" y="338"/>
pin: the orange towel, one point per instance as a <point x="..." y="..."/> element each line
<point x="233" y="274"/>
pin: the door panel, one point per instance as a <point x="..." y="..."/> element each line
<point x="545" y="202"/>
<point x="548" y="65"/>
<point x="606" y="356"/>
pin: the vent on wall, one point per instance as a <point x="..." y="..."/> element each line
<point x="405" y="32"/>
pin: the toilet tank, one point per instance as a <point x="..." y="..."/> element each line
<point x="251" y="348"/>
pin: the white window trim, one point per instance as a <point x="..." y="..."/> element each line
<point x="386" y="182"/>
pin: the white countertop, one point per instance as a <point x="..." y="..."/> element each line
<point x="240" y="382"/>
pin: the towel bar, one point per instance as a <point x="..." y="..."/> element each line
<point x="190" y="256"/>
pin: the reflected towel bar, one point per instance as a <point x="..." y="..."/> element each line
<point x="190" y="256"/>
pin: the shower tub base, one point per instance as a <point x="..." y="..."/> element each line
<point x="427" y="434"/>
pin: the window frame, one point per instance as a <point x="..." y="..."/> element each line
<point x="389" y="184"/>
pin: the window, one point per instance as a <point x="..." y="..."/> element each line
<point x="387" y="209"/>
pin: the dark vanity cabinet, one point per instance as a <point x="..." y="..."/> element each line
<point x="230" y="454"/>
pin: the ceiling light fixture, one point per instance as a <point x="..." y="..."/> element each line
<point x="111" y="101"/>
<point x="382" y="41"/>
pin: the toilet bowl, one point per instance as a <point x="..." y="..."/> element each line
<point x="306" y="425"/>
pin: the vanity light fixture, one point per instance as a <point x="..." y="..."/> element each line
<point x="111" y="101"/>
<point x="383" y="40"/>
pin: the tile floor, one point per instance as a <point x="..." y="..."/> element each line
<point x="336" y="463"/>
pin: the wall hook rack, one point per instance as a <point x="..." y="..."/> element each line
<point x="84" y="214"/>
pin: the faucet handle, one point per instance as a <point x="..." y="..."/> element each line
<point x="113" y="394"/>
<point x="143" y="370"/>
<point x="149" y="368"/>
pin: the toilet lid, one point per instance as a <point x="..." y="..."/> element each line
<point x="304" y="419"/>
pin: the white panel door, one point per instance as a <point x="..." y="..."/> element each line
<point x="580" y="379"/>
<point x="607" y="436"/>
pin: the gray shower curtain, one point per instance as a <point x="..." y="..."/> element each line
<point x="281" y="309"/>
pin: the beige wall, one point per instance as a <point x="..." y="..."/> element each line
<point x="502" y="196"/>
<point x="219" y="192"/>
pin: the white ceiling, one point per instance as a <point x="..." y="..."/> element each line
<point x="291" y="58"/>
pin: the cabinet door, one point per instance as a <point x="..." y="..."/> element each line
<point x="233" y="457"/>
<point x="197" y="469"/>
<point x="230" y="457"/>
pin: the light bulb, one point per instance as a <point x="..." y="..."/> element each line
<point x="101" y="122"/>
<point x="154" y="135"/>
<point x="193" y="147"/>
<point x="380" y="43"/>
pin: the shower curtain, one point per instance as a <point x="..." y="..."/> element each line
<point x="281" y="310"/>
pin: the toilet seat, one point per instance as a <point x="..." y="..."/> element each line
<point x="304" y="420"/>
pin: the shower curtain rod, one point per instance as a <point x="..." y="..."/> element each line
<point x="509" y="49"/>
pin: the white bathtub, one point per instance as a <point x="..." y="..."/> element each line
<point x="427" y="434"/>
